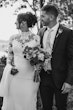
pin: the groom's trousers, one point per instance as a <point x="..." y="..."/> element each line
<point x="47" y="91"/>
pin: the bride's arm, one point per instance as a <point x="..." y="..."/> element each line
<point x="34" y="41"/>
<point x="10" y="57"/>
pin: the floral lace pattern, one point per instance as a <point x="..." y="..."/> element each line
<point x="23" y="39"/>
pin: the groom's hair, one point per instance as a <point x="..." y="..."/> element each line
<point x="49" y="8"/>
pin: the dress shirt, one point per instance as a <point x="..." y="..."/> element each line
<point x="49" y="37"/>
<point x="53" y="34"/>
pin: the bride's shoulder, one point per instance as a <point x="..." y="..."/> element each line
<point x="13" y="37"/>
<point x="34" y="40"/>
<point x="34" y="36"/>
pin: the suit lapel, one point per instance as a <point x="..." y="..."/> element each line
<point x="57" y="37"/>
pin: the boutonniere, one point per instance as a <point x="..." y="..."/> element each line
<point x="60" y="30"/>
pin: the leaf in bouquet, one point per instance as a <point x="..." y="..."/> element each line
<point x="36" y="48"/>
<point x="34" y="60"/>
<point x="41" y="50"/>
<point x="35" y="52"/>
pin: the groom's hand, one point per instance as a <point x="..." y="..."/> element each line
<point x="66" y="88"/>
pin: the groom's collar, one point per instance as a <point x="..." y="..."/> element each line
<point x="54" y="27"/>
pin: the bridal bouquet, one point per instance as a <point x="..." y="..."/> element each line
<point x="34" y="55"/>
<point x="37" y="58"/>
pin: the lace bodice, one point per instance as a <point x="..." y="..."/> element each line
<point x="17" y="44"/>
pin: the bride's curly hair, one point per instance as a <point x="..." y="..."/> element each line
<point x="30" y="18"/>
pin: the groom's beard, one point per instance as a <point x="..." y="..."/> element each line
<point x="43" y="23"/>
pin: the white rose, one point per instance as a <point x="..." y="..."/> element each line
<point x="41" y="56"/>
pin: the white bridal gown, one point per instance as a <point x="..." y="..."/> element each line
<point x="22" y="90"/>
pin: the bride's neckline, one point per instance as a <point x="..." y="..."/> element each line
<point x="24" y="34"/>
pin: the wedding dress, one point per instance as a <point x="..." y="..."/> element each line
<point x="22" y="90"/>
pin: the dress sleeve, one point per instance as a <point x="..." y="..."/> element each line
<point x="37" y="40"/>
<point x="10" y="57"/>
<point x="34" y="40"/>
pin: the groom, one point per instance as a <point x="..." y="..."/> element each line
<point x="58" y="79"/>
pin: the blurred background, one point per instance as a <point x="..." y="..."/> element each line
<point x="10" y="8"/>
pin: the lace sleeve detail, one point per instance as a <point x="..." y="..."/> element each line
<point x="34" y="40"/>
<point x="10" y="57"/>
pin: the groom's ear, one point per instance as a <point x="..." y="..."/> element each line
<point x="52" y="17"/>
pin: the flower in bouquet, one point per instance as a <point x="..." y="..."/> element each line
<point x="34" y="55"/>
<point x="41" y="56"/>
<point x="37" y="58"/>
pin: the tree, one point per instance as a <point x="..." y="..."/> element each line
<point x="34" y="5"/>
<point x="65" y="6"/>
<point x="6" y="3"/>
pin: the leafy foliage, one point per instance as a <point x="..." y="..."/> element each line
<point x="34" y="6"/>
<point x="65" y="6"/>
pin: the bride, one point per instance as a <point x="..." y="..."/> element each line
<point x="19" y="90"/>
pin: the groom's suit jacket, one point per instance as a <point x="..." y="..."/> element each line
<point x="62" y="56"/>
